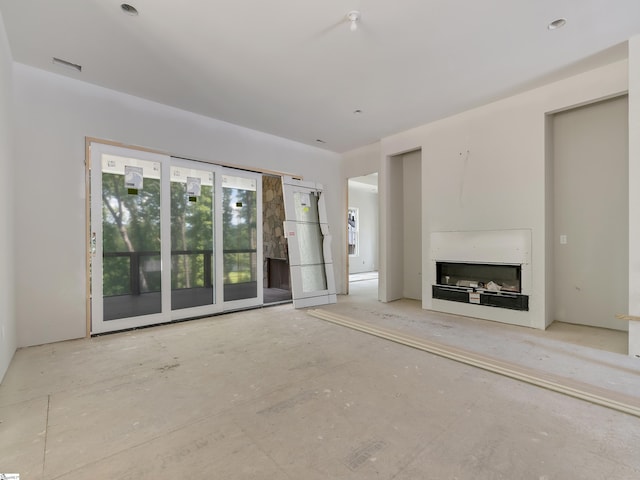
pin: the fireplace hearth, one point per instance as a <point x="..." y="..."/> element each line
<point x="490" y="284"/>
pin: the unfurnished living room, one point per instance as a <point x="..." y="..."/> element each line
<point x="315" y="240"/>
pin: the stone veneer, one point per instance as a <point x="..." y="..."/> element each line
<point x="274" y="241"/>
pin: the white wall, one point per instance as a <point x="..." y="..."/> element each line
<point x="412" y="225"/>
<point x="549" y="305"/>
<point x="361" y="161"/>
<point x="53" y="116"/>
<point x="367" y="204"/>
<point x="634" y="193"/>
<point x="8" y="340"/>
<point x="485" y="169"/>
<point x="390" y="184"/>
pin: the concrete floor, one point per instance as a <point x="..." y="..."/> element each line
<point x="277" y="394"/>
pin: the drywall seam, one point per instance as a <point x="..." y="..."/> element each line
<point x="554" y="383"/>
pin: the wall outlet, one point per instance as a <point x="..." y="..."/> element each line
<point x="563" y="239"/>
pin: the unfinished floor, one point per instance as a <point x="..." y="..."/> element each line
<point x="276" y="394"/>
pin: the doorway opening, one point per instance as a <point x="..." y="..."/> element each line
<point x="362" y="235"/>
<point x="588" y="194"/>
<point x="173" y="239"/>
<point x="403" y="232"/>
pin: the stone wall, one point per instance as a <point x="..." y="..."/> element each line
<point x="274" y="241"/>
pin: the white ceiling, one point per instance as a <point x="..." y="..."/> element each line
<point x="294" y="69"/>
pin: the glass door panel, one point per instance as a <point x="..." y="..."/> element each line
<point x="192" y="238"/>
<point x="131" y="269"/>
<point x="241" y="239"/>
<point x="127" y="279"/>
<point x="309" y="242"/>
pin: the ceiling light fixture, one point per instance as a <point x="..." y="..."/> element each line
<point x="558" y="23"/>
<point x="353" y="17"/>
<point x="65" y="64"/>
<point x="129" y="9"/>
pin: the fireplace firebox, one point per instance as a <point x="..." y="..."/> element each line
<point x="491" y="284"/>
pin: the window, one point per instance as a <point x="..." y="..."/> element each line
<point x="353" y="229"/>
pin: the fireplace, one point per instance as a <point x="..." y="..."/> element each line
<point x="491" y="284"/>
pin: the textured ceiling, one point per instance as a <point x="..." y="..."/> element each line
<point x="294" y="69"/>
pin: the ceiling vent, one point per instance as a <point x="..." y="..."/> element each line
<point x="65" y="64"/>
<point x="558" y="23"/>
<point x="129" y="9"/>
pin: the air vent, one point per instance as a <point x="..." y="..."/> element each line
<point x="129" y="9"/>
<point x="65" y="64"/>
<point x="558" y="23"/>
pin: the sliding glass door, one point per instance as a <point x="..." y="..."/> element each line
<point x="193" y="266"/>
<point x="170" y="239"/>
<point x="242" y="239"/>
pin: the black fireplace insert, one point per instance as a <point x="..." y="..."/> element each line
<point x="491" y="284"/>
